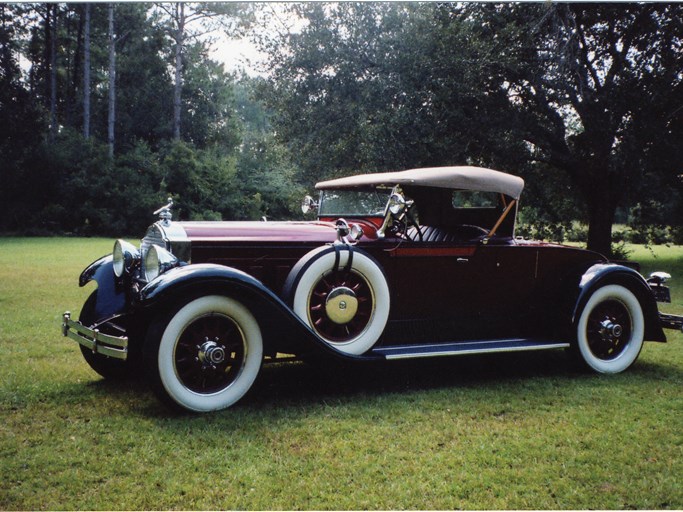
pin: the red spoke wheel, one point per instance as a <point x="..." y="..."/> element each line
<point x="341" y="305"/>
<point x="342" y="294"/>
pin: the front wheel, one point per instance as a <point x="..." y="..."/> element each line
<point x="207" y="356"/>
<point x="610" y="330"/>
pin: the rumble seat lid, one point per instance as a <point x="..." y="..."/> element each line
<point x="459" y="177"/>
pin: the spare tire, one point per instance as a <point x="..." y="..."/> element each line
<point x="342" y="294"/>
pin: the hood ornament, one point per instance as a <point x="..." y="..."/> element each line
<point x="165" y="214"/>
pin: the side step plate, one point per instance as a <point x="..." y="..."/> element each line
<point x="467" y="347"/>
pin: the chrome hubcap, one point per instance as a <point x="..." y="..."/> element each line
<point x="610" y="331"/>
<point x="210" y="353"/>
<point x="341" y="305"/>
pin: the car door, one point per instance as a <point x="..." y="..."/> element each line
<point x="436" y="290"/>
<point x="466" y="291"/>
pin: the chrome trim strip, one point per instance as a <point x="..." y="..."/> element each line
<point x="466" y="348"/>
<point x="93" y="339"/>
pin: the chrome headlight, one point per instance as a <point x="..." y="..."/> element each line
<point x="125" y="255"/>
<point x="157" y="261"/>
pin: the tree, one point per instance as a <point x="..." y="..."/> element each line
<point x="144" y="88"/>
<point x="188" y="23"/>
<point x="21" y="116"/>
<point x="51" y="36"/>
<point x="209" y="119"/>
<point x="111" y="116"/>
<point x="119" y="80"/>
<point x="341" y="99"/>
<point x="589" y="90"/>
<point x="86" y="74"/>
<point x="594" y="89"/>
<point x="265" y="174"/>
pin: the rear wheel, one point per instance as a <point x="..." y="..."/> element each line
<point x="108" y="367"/>
<point x="610" y="330"/>
<point x="206" y="356"/>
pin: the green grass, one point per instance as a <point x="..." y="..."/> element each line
<point x="520" y="432"/>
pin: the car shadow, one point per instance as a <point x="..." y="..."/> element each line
<point x="307" y="382"/>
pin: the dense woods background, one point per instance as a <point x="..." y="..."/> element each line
<point x="107" y="109"/>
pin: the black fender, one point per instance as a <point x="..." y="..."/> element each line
<point x="602" y="274"/>
<point x="283" y="330"/>
<point x="111" y="296"/>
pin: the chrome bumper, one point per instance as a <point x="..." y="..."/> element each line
<point x="93" y="339"/>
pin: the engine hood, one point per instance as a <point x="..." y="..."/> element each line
<point x="248" y="231"/>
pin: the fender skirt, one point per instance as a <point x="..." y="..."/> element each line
<point x="283" y="331"/>
<point x="609" y="273"/>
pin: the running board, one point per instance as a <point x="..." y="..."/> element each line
<point x="467" y="347"/>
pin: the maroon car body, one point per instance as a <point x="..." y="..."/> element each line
<point x="418" y="263"/>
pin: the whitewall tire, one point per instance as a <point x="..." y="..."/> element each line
<point x="208" y="355"/>
<point x="343" y="295"/>
<point x="610" y="329"/>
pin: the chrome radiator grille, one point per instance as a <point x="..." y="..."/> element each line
<point x="152" y="237"/>
<point x="171" y="237"/>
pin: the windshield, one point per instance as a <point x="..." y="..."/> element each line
<point x="350" y="203"/>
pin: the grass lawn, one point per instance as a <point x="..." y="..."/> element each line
<point x="496" y="432"/>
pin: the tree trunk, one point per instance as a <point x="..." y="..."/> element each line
<point x="74" y="70"/>
<point x="52" y="24"/>
<point x="601" y="212"/>
<point x="86" y="75"/>
<point x="112" y="83"/>
<point x="179" y="40"/>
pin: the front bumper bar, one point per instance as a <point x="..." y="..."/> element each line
<point x="93" y="339"/>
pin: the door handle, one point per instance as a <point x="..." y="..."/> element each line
<point x="463" y="260"/>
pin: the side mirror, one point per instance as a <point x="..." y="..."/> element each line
<point x="308" y="204"/>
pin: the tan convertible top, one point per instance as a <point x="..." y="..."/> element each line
<point x="464" y="177"/>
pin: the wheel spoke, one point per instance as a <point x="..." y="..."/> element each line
<point x="608" y="329"/>
<point x="331" y="281"/>
<point x="208" y="333"/>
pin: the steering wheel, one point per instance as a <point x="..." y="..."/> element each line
<point x="405" y="218"/>
<point x="410" y="220"/>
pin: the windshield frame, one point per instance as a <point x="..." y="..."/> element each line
<point x="376" y="197"/>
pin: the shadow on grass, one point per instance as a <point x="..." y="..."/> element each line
<point x="304" y="385"/>
<point x="307" y="383"/>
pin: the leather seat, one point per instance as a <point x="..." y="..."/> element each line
<point x="430" y="234"/>
<point x="436" y="234"/>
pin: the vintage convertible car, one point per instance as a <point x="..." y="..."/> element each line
<point x="410" y="264"/>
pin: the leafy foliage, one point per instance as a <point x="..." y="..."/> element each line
<point x="64" y="183"/>
<point x="574" y="89"/>
<point x="582" y="100"/>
